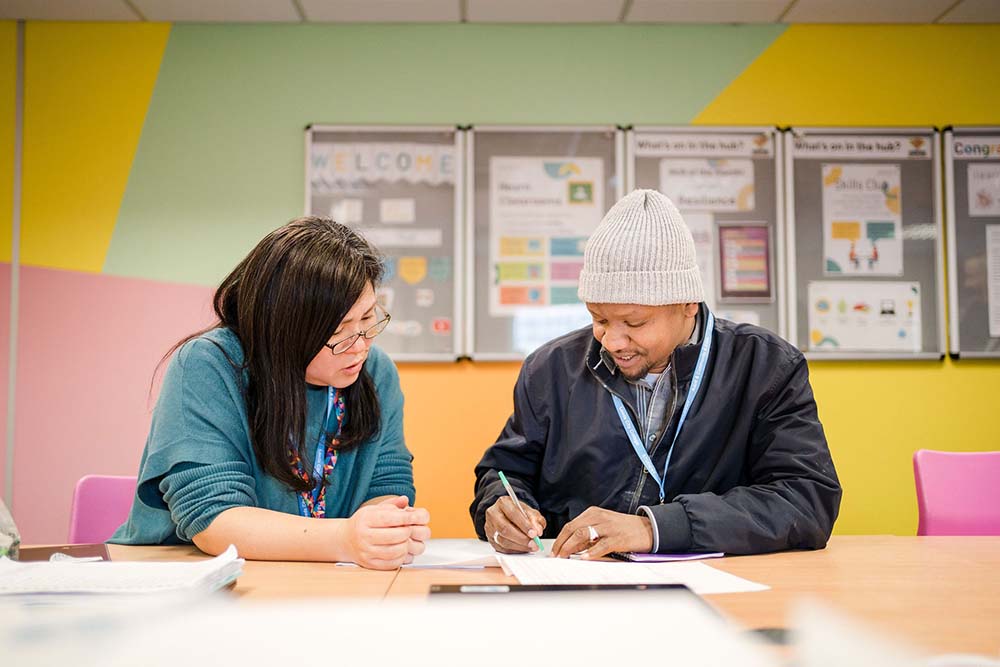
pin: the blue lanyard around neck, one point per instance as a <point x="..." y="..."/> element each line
<point x="320" y="455"/>
<point x="633" y="435"/>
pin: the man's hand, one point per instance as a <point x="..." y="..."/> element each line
<point x="507" y="529"/>
<point x="597" y="532"/>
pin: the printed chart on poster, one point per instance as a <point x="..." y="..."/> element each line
<point x="865" y="243"/>
<point x="401" y="189"/>
<point x="727" y="184"/>
<point x="542" y="209"/>
<point x="972" y="185"/>
<point x="536" y="195"/>
<point x="864" y="316"/>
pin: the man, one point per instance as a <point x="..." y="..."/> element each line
<point x="661" y="429"/>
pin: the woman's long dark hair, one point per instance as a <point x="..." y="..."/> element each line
<point x="284" y="301"/>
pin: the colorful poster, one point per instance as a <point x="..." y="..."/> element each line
<point x="745" y="262"/>
<point x="864" y="316"/>
<point x="712" y="184"/>
<point x="862" y="221"/>
<point x="984" y="190"/>
<point x="542" y="210"/>
<point x="993" y="277"/>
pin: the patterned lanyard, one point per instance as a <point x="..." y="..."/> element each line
<point x="313" y="503"/>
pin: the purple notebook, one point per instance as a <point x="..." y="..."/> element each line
<point x="666" y="558"/>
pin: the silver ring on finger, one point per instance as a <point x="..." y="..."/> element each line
<point x="592" y="533"/>
<point x="496" y="537"/>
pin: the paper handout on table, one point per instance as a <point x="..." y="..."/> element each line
<point x="451" y="554"/>
<point x="699" y="577"/>
<point x="40" y="578"/>
<point x="456" y="554"/>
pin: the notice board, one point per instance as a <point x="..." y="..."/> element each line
<point x="401" y="188"/>
<point x="865" y="255"/>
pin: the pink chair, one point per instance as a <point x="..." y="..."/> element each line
<point x="958" y="493"/>
<point x="101" y="503"/>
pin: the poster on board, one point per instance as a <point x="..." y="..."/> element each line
<point x="745" y="262"/>
<point x="993" y="277"/>
<point x="864" y="316"/>
<point x="711" y="184"/>
<point x="862" y="221"/>
<point x="542" y="210"/>
<point x="984" y="189"/>
<point x="397" y="188"/>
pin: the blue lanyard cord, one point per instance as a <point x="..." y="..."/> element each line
<point x="696" y="378"/>
<point x="320" y="455"/>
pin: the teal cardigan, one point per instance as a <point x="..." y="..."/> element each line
<point x="198" y="460"/>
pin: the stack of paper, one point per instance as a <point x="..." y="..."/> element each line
<point x="40" y="578"/>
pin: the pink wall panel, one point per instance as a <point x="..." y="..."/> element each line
<point x="87" y="347"/>
<point x="4" y="367"/>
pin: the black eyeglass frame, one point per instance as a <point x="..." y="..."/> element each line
<point x="378" y="328"/>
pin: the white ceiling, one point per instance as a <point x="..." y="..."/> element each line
<point x="509" y="11"/>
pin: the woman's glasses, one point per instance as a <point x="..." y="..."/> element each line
<point x="344" y="344"/>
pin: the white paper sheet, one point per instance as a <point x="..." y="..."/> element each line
<point x="864" y="316"/>
<point x="400" y="211"/>
<point x="984" y="190"/>
<point x="708" y="184"/>
<point x="118" y="577"/>
<point x="458" y="554"/>
<point x="702" y="579"/>
<point x="993" y="277"/>
<point x="862" y="219"/>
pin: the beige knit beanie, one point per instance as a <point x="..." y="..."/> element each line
<point x="642" y="253"/>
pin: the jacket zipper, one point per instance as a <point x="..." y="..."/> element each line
<point x="634" y="504"/>
<point x="670" y="417"/>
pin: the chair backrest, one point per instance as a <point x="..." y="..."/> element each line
<point x="101" y="503"/>
<point x="958" y="493"/>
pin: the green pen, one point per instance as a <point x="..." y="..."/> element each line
<point x="517" y="503"/>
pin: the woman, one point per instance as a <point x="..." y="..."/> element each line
<point x="283" y="414"/>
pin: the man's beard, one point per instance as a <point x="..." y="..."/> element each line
<point x="637" y="374"/>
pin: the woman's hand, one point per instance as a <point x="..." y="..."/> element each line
<point x="386" y="535"/>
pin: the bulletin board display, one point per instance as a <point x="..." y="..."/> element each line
<point x="727" y="183"/>
<point x="401" y="188"/>
<point x="865" y="253"/>
<point x="535" y="194"/>
<point x="972" y="193"/>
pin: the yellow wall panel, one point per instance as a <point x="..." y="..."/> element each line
<point x="877" y="414"/>
<point x="8" y="88"/>
<point x="868" y="75"/>
<point x="453" y="412"/>
<point x="87" y="88"/>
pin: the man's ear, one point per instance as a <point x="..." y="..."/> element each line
<point x="690" y="309"/>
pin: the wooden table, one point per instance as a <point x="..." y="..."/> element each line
<point x="939" y="593"/>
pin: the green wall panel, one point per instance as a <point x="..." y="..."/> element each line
<point x="220" y="161"/>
